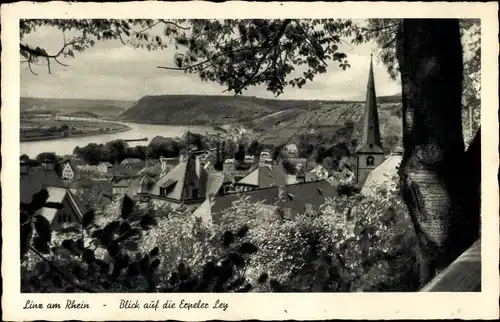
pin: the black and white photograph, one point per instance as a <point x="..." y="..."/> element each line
<point x="242" y="155"/>
<point x="284" y="155"/>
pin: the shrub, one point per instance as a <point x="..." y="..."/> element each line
<point x="352" y="243"/>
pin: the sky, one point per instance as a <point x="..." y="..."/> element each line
<point x="110" y="70"/>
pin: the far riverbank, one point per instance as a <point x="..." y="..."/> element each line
<point x="64" y="146"/>
<point x="125" y="128"/>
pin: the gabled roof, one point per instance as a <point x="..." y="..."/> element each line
<point x="312" y="193"/>
<point x="133" y="185"/>
<point x="74" y="163"/>
<point x="57" y="195"/>
<point x="175" y="179"/>
<point x="297" y="196"/>
<point x="131" y="161"/>
<point x="35" y="180"/>
<point x="175" y="176"/>
<point x="136" y="165"/>
<point x="264" y="177"/>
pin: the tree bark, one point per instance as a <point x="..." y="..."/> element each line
<point x="432" y="171"/>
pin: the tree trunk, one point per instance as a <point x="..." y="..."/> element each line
<point x="432" y="172"/>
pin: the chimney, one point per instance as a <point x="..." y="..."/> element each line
<point x="281" y="193"/>
<point x="197" y="165"/>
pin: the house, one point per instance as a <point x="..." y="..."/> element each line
<point x="133" y="164"/>
<point x="262" y="177"/>
<point x="276" y="201"/>
<point x="292" y="150"/>
<point x="68" y="170"/>
<point x="208" y="156"/>
<point x="236" y="169"/>
<point x="299" y="163"/>
<point x="63" y="208"/>
<point x="301" y="177"/>
<point x="265" y="158"/>
<point x="187" y="183"/>
<point x="86" y="168"/>
<point x="104" y="167"/>
<point x="34" y="177"/>
<point x="249" y="159"/>
<point x="321" y="172"/>
<point x="344" y="175"/>
<point x="129" y="186"/>
<point x="72" y="168"/>
<point x="130" y="161"/>
<point x="104" y="188"/>
<point x="369" y="153"/>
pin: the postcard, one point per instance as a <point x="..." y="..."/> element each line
<point x="243" y="160"/>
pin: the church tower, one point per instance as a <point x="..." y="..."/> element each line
<point x="369" y="153"/>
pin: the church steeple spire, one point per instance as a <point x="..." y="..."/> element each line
<point x="370" y="139"/>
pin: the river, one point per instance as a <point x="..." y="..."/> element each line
<point x="66" y="146"/>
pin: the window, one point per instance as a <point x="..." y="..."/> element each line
<point x="370" y="161"/>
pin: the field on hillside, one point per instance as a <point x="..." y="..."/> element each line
<point x="327" y="118"/>
<point x="210" y="110"/>
<point x="102" y="108"/>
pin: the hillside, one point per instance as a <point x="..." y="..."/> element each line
<point x="273" y="120"/>
<point x="328" y="118"/>
<point x="207" y="110"/>
<point x="102" y="108"/>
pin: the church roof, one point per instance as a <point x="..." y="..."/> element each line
<point x="370" y="139"/>
<point x="383" y="175"/>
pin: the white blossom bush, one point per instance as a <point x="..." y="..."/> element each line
<point x="180" y="237"/>
<point x="353" y="243"/>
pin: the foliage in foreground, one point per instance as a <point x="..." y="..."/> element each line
<point x="353" y="243"/>
<point x="107" y="258"/>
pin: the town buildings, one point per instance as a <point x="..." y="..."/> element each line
<point x="63" y="208"/>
